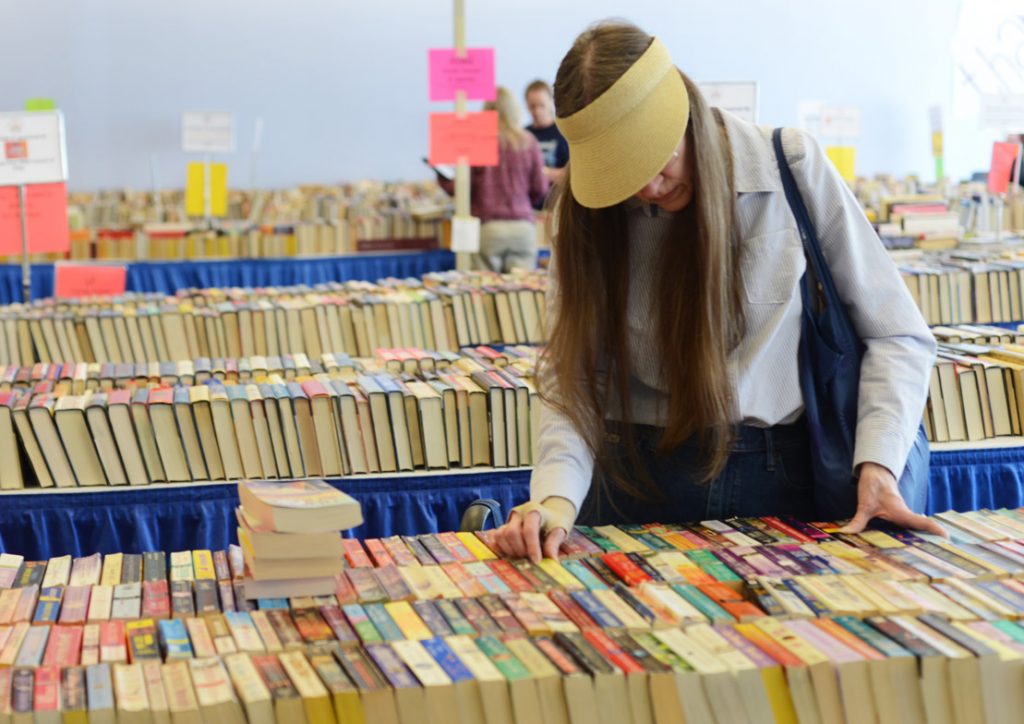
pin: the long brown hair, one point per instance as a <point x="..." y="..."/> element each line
<point x="698" y="315"/>
<point x="510" y="129"/>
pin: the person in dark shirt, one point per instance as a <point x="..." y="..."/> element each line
<point x="552" y="145"/>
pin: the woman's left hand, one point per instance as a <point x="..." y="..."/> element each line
<point x="878" y="496"/>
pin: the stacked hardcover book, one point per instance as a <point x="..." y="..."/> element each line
<point x="741" y="620"/>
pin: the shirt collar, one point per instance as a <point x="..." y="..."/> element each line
<point x="753" y="162"/>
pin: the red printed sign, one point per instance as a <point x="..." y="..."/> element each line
<point x="1004" y="161"/>
<point x="88" y="280"/>
<point x="472" y="138"/>
<point x="46" y="219"/>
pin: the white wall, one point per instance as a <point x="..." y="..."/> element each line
<point x="341" y="84"/>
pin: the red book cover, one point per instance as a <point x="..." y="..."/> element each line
<point x="378" y="553"/>
<point x="156" y="600"/>
<point x="161" y="396"/>
<point x="788" y="530"/>
<point x="344" y="591"/>
<point x="611" y="651"/>
<point x="512" y="578"/>
<point x="46" y="697"/>
<point x="354" y="553"/>
<point x="113" y="645"/>
<point x="572" y="610"/>
<point x="624" y="568"/>
<point x="64" y="646"/>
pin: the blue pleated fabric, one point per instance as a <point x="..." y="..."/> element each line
<point x="168" y="277"/>
<point x="185" y="517"/>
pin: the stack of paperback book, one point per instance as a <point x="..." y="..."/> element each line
<point x="290" y="536"/>
<point x="745" y="620"/>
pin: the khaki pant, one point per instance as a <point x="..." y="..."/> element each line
<point x="507" y="245"/>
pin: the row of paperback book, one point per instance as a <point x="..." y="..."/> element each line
<point x="743" y="620"/>
<point x="963" y="286"/>
<point x="68" y="425"/>
<point x="441" y="311"/>
<point x="307" y="220"/>
<point x="976" y="390"/>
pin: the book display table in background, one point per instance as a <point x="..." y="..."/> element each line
<point x="170" y="276"/>
<point x="184" y="516"/>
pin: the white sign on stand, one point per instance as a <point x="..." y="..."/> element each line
<point x="32" y="148"/>
<point x="1002" y="111"/>
<point x="207" y="132"/>
<point x="840" y="122"/>
<point x="737" y="97"/>
<point x="466" y="234"/>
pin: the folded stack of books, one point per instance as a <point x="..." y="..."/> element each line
<point x="290" y="536"/>
<point x="439" y="312"/>
<point x="67" y="425"/>
<point x="743" y="620"/>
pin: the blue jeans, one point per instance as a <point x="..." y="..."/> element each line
<point x="768" y="472"/>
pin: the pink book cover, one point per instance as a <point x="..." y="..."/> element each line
<point x="820" y="640"/>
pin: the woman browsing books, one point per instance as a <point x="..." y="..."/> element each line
<point x="671" y="378"/>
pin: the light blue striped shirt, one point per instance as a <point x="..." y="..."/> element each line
<point x="763" y="368"/>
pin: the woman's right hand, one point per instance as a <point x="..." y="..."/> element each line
<point x="536" y="530"/>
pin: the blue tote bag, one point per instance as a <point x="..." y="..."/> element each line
<point x="829" y="358"/>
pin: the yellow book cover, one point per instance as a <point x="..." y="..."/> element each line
<point x="441" y="583"/>
<point x="419" y="582"/>
<point x="476" y="546"/>
<point x="202" y="565"/>
<point x="557" y="571"/>
<point x="111" y="575"/>
<point x="408" y="620"/>
<point x="315" y="699"/>
<point x="625" y="542"/>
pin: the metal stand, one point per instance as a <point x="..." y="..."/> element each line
<point x="26" y="270"/>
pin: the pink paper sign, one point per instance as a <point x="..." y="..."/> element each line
<point x="472" y="138"/>
<point x="88" y="280"/>
<point x="472" y="73"/>
<point x="46" y="219"/>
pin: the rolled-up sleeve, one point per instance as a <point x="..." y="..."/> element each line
<point x="899" y="346"/>
<point x="565" y="464"/>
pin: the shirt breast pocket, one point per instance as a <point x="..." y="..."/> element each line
<point x="771" y="265"/>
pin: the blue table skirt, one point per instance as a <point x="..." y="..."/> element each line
<point x="202" y="516"/>
<point x="170" y="276"/>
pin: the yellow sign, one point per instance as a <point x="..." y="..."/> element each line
<point x="195" y="188"/>
<point x="845" y="160"/>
